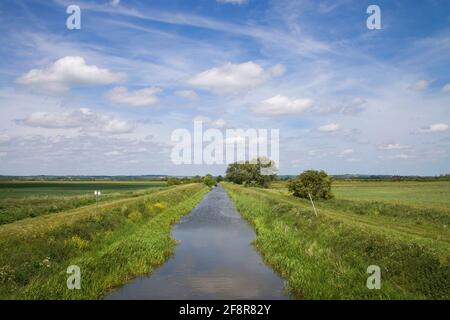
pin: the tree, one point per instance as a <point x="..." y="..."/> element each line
<point x="219" y="178"/>
<point x="256" y="173"/>
<point x="196" y="179"/>
<point x="209" y="180"/>
<point x="172" y="181"/>
<point x="311" y="182"/>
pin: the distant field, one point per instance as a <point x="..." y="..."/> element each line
<point x="402" y="227"/>
<point x="19" y="189"/>
<point x="111" y="244"/>
<point x="20" y="200"/>
<point x="435" y="194"/>
<point x="427" y="194"/>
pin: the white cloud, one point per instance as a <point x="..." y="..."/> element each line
<point x="4" y="138"/>
<point x="114" y="3"/>
<point x="400" y="156"/>
<point x="233" y="77"/>
<point x="281" y="105"/>
<point x="238" y="2"/>
<point x="393" y="146"/>
<point x="67" y="72"/>
<point x="115" y="126"/>
<point x="437" y="127"/>
<point x="218" y="123"/>
<point x="332" y="127"/>
<point x="77" y="119"/>
<point x="420" y="85"/>
<point x="139" y="98"/>
<point x="446" y="88"/>
<point x="188" y="94"/>
<point x="346" y="152"/>
<point x="113" y="153"/>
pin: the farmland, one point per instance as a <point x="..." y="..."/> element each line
<point x="20" y="200"/>
<point x="120" y="239"/>
<point x="388" y="224"/>
<point x="402" y="227"/>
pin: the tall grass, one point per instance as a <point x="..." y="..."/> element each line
<point x="18" y="208"/>
<point x="327" y="257"/>
<point x="111" y="246"/>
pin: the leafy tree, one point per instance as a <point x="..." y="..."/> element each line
<point x="172" y="181"/>
<point x="219" y="179"/>
<point x="315" y="183"/>
<point x="196" y="179"/>
<point x="256" y="173"/>
<point x="209" y="180"/>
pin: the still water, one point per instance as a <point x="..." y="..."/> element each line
<point x="214" y="260"/>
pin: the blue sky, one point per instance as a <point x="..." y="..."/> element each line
<point x="105" y="99"/>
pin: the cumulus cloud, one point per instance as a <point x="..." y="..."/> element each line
<point x="234" y="77"/>
<point x="138" y="98"/>
<point x="446" y="88"/>
<point x="82" y="119"/>
<point x="401" y="156"/>
<point x="188" y="94"/>
<point x="332" y="127"/>
<point x="437" y="127"/>
<point x="420" y="85"/>
<point x="282" y="105"/>
<point x="346" y="152"/>
<point x="66" y="72"/>
<point x="218" y="123"/>
<point x="113" y="153"/>
<point x="4" y="138"/>
<point x="393" y="146"/>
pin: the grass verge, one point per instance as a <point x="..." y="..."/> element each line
<point x="327" y="257"/>
<point x="121" y="240"/>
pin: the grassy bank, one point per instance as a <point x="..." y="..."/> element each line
<point x="121" y="240"/>
<point x="326" y="257"/>
<point x="21" y="200"/>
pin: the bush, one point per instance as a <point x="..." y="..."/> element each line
<point x="256" y="173"/>
<point x="315" y="183"/>
<point x="209" y="180"/>
<point x="135" y="216"/>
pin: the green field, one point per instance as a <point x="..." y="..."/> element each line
<point x="20" y="189"/>
<point x="434" y="194"/>
<point x="402" y="227"/>
<point x="326" y="256"/>
<point x="111" y="244"/>
<point x="20" y="200"/>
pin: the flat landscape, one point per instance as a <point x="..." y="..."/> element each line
<point x="402" y="227"/>
<point x="388" y="224"/>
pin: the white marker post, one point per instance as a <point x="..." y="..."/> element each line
<point x="97" y="196"/>
<point x="310" y="198"/>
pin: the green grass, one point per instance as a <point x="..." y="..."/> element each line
<point x="434" y="194"/>
<point x="121" y="240"/>
<point x="20" y="189"/>
<point x="20" y="200"/>
<point x="326" y="257"/>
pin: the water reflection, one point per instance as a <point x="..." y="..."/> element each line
<point x="214" y="260"/>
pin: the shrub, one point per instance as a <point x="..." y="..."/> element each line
<point x="160" y="206"/>
<point x="77" y="242"/>
<point x="311" y="182"/>
<point x="257" y="173"/>
<point x="209" y="180"/>
<point x="135" y="216"/>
